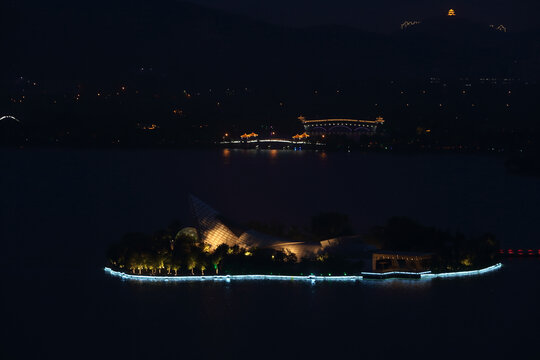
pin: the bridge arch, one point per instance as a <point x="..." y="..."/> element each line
<point x="340" y="127"/>
<point x="361" y="129"/>
<point x="318" y="128"/>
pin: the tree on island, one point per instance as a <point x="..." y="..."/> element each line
<point x="452" y="251"/>
<point x="328" y="225"/>
<point x="191" y="263"/>
<point x="218" y="255"/>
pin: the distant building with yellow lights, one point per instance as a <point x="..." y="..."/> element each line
<point x="349" y="127"/>
<point x="451" y="12"/>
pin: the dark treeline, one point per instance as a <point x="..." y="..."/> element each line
<point x="325" y="225"/>
<point x="453" y="251"/>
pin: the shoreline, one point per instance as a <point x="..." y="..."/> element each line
<point x="309" y="278"/>
<point x="212" y="146"/>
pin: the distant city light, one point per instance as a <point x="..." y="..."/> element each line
<point x="409" y="23"/>
<point x="9" y="117"/>
<point x="498" y="28"/>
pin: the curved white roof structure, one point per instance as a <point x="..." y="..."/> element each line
<point x="215" y="230"/>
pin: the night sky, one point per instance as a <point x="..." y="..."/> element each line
<point x="377" y="16"/>
<point x="382" y="15"/>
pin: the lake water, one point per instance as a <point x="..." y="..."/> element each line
<point x="60" y="209"/>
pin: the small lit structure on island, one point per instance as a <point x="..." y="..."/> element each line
<point x="451" y="12"/>
<point x="383" y="261"/>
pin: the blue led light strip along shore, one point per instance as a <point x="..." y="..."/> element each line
<point x="228" y="277"/>
<point x="462" y="273"/>
<point x="423" y="275"/>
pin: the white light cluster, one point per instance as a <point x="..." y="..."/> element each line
<point x="426" y="275"/>
<point x="9" y="117"/>
<point x="396" y="273"/>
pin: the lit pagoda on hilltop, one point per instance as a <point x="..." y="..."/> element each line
<point x="451" y="12"/>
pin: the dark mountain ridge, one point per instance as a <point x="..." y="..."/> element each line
<point x="193" y="45"/>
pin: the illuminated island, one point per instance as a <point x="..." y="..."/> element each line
<point x="218" y="248"/>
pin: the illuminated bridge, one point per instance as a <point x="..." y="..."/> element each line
<point x="265" y="141"/>
<point x="271" y="143"/>
<point x="256" y="141"/>
<point x="341" y="126"/>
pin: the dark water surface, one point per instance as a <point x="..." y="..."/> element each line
<point x="61" y="209"/>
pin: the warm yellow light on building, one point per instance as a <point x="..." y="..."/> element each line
<point x="300" y="136"/>
<point x="246" y="136"/>
<point x="451" y="12"/>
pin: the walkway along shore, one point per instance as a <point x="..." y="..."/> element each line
<point x="427" y="275"/>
